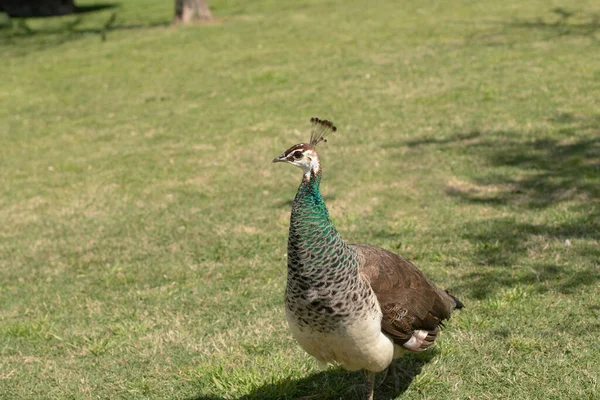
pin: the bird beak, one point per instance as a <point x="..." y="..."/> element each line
<point x="281" y="158"/>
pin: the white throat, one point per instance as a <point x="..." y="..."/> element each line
<point x="314" y="167"/>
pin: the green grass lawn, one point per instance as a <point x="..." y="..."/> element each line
<point x="144" y="228"/>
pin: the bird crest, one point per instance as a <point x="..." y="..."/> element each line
<point x="320" y="129"/>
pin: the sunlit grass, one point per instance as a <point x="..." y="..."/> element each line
<point x="143" y="249"/>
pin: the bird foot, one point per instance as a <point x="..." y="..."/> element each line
<point x="393" y="370"/>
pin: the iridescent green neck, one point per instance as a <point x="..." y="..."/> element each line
<point x="311" y="230"/>
<point x="309" y="200"/>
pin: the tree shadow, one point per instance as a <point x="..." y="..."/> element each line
<point x="549" y="183"/>
<point x="337" y="383"/>
<point x="457" y="138"/>
<point x="19" y="35"/>
<point x="541" y="171"/>
<point x="501" y="246"/>
<point x="95" y="7"/>
<point x="40" y="10"/>
<point x="555" y="171"/>
<point x="563" y="23"/>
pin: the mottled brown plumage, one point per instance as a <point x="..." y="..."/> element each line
<point x="408" y="300"/>
<point x="358" y="305"/>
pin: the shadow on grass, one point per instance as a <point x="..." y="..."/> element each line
<point x="18" y="33"/>
<point x="565" y="22"/>
<point x="42" y="11"/>
<point x="549" y="183"/>
<point x="338" y="383"/>
<point x="95" y="7"/>
<point x="459" y="137"/>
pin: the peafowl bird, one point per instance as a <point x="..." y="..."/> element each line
<point x="354" y="304"/>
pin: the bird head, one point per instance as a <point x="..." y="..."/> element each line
<point x="304" y="155"/>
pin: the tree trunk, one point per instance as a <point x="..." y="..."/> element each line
<point x="187" y="11"/>
<point x="37" y="8"/>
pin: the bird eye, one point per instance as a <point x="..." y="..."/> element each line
<point x="297" y="155"/>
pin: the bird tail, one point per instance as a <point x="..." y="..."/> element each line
<point x="421" y="339"/>
<point x="459" y="303"/>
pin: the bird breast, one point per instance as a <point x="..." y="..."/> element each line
<point x="339" y="324"/>
<point x="356" y="344"/>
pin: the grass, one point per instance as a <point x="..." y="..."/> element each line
<point x="144" y="233"/>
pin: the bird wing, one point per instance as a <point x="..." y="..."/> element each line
<point x="411" y="305"/>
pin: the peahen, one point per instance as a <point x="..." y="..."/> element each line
<point x="354" y="304"/>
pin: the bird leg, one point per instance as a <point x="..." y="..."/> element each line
<point x="393" y="370"/>
<point x="370" y="384"/>
<point x="404" y="372"/>
<point x="385" y="374"/>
